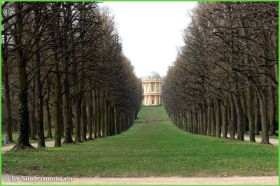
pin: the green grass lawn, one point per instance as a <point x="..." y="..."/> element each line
<point x="150" y="114"/>
<point x="148" y="149"/>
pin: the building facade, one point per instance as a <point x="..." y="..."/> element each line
<point x="151" y="84"/>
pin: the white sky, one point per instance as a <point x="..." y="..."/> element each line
<point x="151" y="32"/>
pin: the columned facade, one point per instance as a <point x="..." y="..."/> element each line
<point x="151" y="84"/>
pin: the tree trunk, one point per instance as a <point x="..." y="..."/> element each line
<point x="218" y="118"/>
<point x="49" y="120"/>
<point x="115" y="120"/>
<point x="9" y="124"/>
<point x="77" y="120"/>
<point x="250" y="114"/>
<point x="90" y="124"/>
<point x="204" y="120"/>
<point x="57" y="101"/>
<point x="213" y="126"/>
<point x="38" y="84"/>
<point x="208" y="119"/>
<point x="224" y="108"/>
<point x="84" y="118"/>
<point x="23" y="139"/>
<point x="272" y="109"/>
<point x="40" y="102"/>
<point x="264" y="117"/>
<point x="61" y="117"/>
<point x="240" y="119"/>
<point x="68" y="126"/>
<point x="256" y="109"/>
<point x="233" y="121"/>
<point x="95" y="127"/>
<point x="33" y="123"/>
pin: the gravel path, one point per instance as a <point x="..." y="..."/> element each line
<point x="157" y="180"/>
<point x="258" y="140"/>
<point x="273" y="141"/>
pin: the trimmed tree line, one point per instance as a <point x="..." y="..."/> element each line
<point x="224" y="81"/>
<point x="64" y="69"/>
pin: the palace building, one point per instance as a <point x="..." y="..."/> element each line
<point x="151" y="84"/>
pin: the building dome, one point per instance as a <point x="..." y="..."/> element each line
<point x="152" y="76"/>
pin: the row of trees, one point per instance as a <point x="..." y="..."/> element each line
<point x="63" y="66"/>
<point x="225" y="78"/>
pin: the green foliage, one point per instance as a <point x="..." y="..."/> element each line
<point x="148" y="149"/>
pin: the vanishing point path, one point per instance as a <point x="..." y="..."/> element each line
<point x="152" y="151"/>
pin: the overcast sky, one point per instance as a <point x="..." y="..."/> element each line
<point x="151" y="32"/>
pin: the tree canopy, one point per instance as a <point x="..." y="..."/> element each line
<point x="64" y="60"/>
<point x="225" y="77"/>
